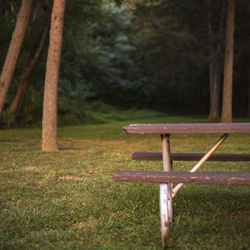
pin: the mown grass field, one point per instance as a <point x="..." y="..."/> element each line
<point x="68" y="200"/>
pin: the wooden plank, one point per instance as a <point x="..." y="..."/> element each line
<point x="188" y="128"/>
<point x="184" y="177"/>
<point x="157" y="156"/>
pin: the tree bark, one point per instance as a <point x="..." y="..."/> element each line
<point x="49" y="122"/>
<point x="17" y="102"/>
<point x="14" y="50"/>
<point x="214" y="61"/>
<point x="214" y="79"/>
<point x="214" y="113"/>
<point x="228" y="64"/>
<point x="248" y="110"/>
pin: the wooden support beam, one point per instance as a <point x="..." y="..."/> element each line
<point x="155" y="156"/>
<point x="184" y="177"/>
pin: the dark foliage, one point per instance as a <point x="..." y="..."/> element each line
<point x="130" y="54"/>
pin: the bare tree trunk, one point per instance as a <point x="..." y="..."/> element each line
<point x="214" y="113"/>
<point x="228" y="64"/>
<point x="214" y="62"/>
<point x="248" y="110"/>
<point x="214" y="79"/>
<point x="14" y="50"/>
<point x="212" y="108"/>
<point x="17" y="102"/>
<point x="49" y="122"/>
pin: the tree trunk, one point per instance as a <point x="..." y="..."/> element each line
<point x="14" y="50"/>
<point x="214" y="62"/>
<point x="49" y="122"/>
<point x="248" y="110"/>
<point x="22" y="87"/>
<point x="228" y="64"/>
<point x="214" y="113"/>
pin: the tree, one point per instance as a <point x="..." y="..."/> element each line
<point x="49" y="120"/>
<point x="215" y="38"/>
<point x="228" y="64"/>
<point x="143" y="54"/>
<point x="248" y="110"/>
<point x="14" y="50"/>
<point x="33" y="55"/>
<point x="97" y="56"/>
<point x="173" y="43"/>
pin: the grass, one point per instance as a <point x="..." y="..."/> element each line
<point x="68" y="200"/>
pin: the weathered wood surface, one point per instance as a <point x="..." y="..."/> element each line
<point x="188" y="128"/>
<point x="157" y="156"/>
<point x="183" y="177"/>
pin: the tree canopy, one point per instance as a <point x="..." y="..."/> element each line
<point x="130" y="54"/>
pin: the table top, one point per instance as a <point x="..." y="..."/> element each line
<point x="188" y="128"/>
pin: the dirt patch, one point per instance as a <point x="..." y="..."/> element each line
<point x="69" y="177"/>
<point x="32" y="168"/>
<point x="245" y="213"/>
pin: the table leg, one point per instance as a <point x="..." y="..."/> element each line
<point x="166" y="208"/>
<point x="201" y="161"/>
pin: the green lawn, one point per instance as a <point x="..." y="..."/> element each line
<point x="68" y="200"/>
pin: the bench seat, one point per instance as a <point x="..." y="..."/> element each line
<point x="184" y="177"/>
<point x="155" y="156"/>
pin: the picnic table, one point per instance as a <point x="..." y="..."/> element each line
<point x="167" y="177"/>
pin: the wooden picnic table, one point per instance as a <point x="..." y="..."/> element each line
<point x="168" y="177"/>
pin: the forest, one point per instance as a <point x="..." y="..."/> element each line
<point x="159" y="55"/>
<point x="74" y="74"/>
